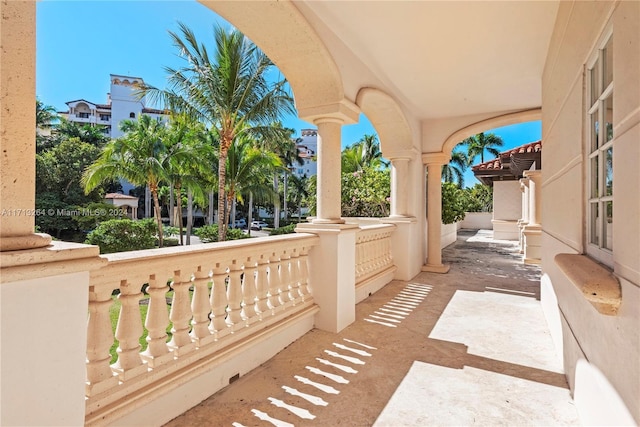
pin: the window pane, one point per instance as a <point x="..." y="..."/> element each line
<point x="608" y="225"/>
<point x="593" y="220"/>
<point x="608" y="118"/>
<point x="594" y="77"/>
<point x="608" y="63"/>
<point x="595" y="128"/>
<point x="608" y="172"/>
<point x="594" y="177"/>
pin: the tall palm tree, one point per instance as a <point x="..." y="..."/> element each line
<point x="454" y="170"/>
<point x="363" y="154"/>
<point x="227" y="90"/>
<point x="185" y="150"/>
<point x="371" y="154"/>
<point x="299" y="187"/>
<point x="45" y="114"/>
<point x="138" y="156"/>
<point x="248" y="169"/>
<point x="287" y="149"/>
<point x="477" y="144"/>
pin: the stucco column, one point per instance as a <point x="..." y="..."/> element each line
<point x="533" y="230"/>
<point x="18" y="127"/>
<point x="434" y="162"/>
<point x="535" y="190"/>
<point x="524" y="220"/>
<point x="328" y="209"/>
<point x="399" y="183"/>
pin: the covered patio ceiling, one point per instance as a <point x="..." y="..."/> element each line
<point x="439" y="58"/>
<point x="436" y="59"/>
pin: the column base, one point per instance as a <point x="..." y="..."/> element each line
<point x="30" y="241"/>
<point x="532" y="244"/>
<point x="436" y="268"/>
<point x="327" y="221"/>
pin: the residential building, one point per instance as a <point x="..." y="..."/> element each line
<point x="510" y="176"/>
<point x="123" y="103"/>
<point x="308" y="150"/>
<point x="432" y="78"/>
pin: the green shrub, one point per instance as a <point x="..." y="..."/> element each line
<point x="121" y="235"/>
<point x="479" y="198"/>
<point x="288" y="229"/>
<point x="92" y="214"/>
<point x="209" y="233"/>
<point x="453" y="203"/>
<point x="168" y="230"/>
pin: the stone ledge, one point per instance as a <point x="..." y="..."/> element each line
<point x="596" y="282"/>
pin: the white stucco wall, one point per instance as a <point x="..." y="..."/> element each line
<point x="610" y="344"/>
<point x="477" y="221"/>
<point x="507" y="200"/>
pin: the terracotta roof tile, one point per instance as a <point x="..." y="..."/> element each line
<point x="496" y="164"/>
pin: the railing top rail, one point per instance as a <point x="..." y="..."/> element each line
<point x="258" y="244"/>
<point x="377" y="227"/>
<point x="135" y="266"/>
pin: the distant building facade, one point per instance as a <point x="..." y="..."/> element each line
<point x="308" y="150"/>
<point x="122" y="104"/>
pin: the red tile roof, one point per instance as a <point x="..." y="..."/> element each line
<point x="496" y="164"/>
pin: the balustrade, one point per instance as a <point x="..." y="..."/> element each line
<point x="373" y="251"/>
<point x="209" y="296"/>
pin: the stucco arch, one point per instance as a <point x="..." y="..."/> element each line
<point x="281" y="31"/>
<point x="494" y="122"/>
<point x="389" y="121"/>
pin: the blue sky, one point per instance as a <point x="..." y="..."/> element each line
<point x="79" y="43"/>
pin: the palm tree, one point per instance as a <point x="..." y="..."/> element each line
<point x="248" y="169"/>
<point x="299" y="192"/>
<point x="454" y="170"/>
<point x="287" y="149"/>
<point x="363" y="154"/>
<point x="371" y="154"/>
<point x="45" y="114"/>
<point x="138" y="157"/>
<point x="477" y="144"/>
<point x="227" y="90"/>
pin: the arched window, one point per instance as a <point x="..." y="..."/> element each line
<point x="132" y="115"/>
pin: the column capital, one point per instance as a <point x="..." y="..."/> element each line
<point x="342" y="112"/>
<point x="533" y="175"/>
<point x="435" y="158"/>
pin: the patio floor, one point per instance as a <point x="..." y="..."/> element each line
<point x="470" y="347"/>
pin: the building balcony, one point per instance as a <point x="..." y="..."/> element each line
<point x="469" y="347"/>
<point x="193" y="320"/>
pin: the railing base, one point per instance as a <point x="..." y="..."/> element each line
<point x="161" y="403"/>
<point x="374" y="283"/>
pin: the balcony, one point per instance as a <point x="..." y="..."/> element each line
<point x="469" y="347"/>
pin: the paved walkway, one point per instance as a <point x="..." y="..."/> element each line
<point x="470" y="347"/>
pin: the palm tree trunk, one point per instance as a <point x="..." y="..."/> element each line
<point x="154" y="192"/>
<point x="222" y="170"/>
<point x="179" y="211"/>
<point x="172" y="214"/>
<point x="189" y="214"/>
<point x="284" y="198"/>
<point x="276" y="204"/>
<point x="250" y="216"/>
<point x="210" y="214"/>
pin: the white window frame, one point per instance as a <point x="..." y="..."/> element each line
<point x="598" y="250"/>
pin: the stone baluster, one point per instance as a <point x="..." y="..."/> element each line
<point x="262" y="287"/>
<point x="218" y="325"/>
<point x="200" y="306"/>
<point x="128" y="332"/>
<point x="249" y="291"/>
<point x="234" y="296"/>
<point x="295" y="276"/>
<point x="359" y="257"/>
<point x="274" y="282"/>
<point x="180" y="314"/>
<point x="156" y="322"/>
<point x="99" y="340"/>
<point x="304" y="273"/>
<point x="285" y="278"/>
